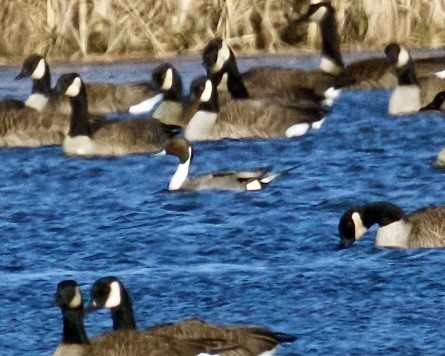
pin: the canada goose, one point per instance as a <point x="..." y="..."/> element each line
<point x="291" y="85"/>
<point x="109" y="292"/>
<point x="228" y="180"/>
<point x="120" y="342"/>
<point x="246" y="118"/>
<point x="174" y="108"/>
<point x="169" y="83"/>
<point x="412" y="93"/>
<point x="368" y="73"/>
<point x="421" y="228"/>
<point x="440" y="160"/>
<point x="110" y="137"/>
<point x="103" y="98"/>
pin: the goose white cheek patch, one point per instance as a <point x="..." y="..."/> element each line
<point x="114" y="299"/>
<point x="77" y="299"/>
<point x="223" y="56"/>
<point x="74" y="89"/>
<point x="403" y="57"/>
<point x="360" y="229"/>
<point x="39" y="72"/>
<point x="168" y="80"/>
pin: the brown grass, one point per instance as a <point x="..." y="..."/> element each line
<point x="85" y="28"/>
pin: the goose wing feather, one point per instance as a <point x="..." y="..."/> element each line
<point x="427" y="227"/>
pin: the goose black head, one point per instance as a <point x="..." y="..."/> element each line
<point x="346" y="228"/>
<point x="34" y="66"/>
<point x="69" y="84"/>
<point x="397" y="55"/>
<point x="317" y="11"/>
<point x="106" y="292"/>
<point x="216" y="55"/>
<point x="165" y="76"/>
<point x="68" y="295"/>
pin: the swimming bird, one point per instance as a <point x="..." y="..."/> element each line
<point x="373" y="72"/>
<point x="411" y="93"/>
<point x="75" y="341"/>
<point x="287" y="84"/>
<point x="247" y="118"/>
<point x="174" y="109"/>
<point x="110" y="293"/>
<point x="109" y="137"/>
<point x="423" y="228"/>
<point x="256" y="179"/>
<point x="103" y="98"/>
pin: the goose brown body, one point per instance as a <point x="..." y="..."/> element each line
<point x="103" y="98"/>
<point x="107" y="138"/>
<point x="119" y="342"/>
<point x="246" y="118"/>
<point x="109" y="292"/>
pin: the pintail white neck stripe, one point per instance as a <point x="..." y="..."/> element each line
<point x="74" y="89"/>
<point x="114" y="298"/>
<point x="223" y="56"/>
<point x="181" y="173"/>
<point x="168" y="80"/>
<point x="39" y="72"/>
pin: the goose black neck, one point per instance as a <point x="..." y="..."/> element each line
<point x="235" y="83"/>
<point x="176" y="91"/>
<point x="330" y="39"/>
<point x="236" y="86"/>
<point x="42" y="85"/>
<point x="79" y="125"/>
<point x="122" y="315"/>
<point x="73" y="327"/>
<point x="381" y="213"/>
<point x="406" y="74"/>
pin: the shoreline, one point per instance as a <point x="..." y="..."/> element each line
<point x="140" y="57"/>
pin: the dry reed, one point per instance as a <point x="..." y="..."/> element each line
<point x="82" y="28"/>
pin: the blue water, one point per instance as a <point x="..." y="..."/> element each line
<point x="268" y="258"/>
